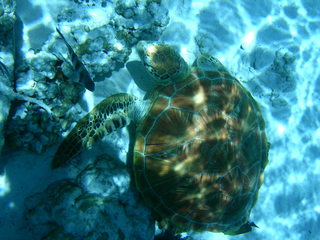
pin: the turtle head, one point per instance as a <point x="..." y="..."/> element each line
<point x="162" y="62"/>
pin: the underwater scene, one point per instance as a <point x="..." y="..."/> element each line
<point x="159" y="119"/>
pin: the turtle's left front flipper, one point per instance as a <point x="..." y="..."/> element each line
<point x="108" y="116"/>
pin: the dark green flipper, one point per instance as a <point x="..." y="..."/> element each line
<point x="245" y="228"/>
<point x="109" y="115"/>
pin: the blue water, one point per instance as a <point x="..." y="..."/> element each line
<point x="270" y="46"/>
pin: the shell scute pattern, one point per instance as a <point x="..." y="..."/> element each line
<point x="160" y="104"/>
<point x="172" y="127"/>
<point x="196" y="166"/>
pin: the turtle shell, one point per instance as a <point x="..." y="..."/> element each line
<point x="200" y="153"/>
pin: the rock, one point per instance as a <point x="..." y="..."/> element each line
<point x="106" y="177"/>
<point x="99" y="205"/>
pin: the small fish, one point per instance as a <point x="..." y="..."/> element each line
<point x="80" y="69"/>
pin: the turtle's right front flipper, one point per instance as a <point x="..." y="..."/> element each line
<point x="109" y="115"/>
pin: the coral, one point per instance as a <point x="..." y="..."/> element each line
<point x="106" y="177"/>
<point x="280" y="79"/>
<point x="35" y="126"/>
<point x="106" y="45"/>
<point x="7" y="20"/>
<point x="100" y="3"/>
<point x="102" y="39"/>
<point x="99" y="202"/>
<point x="167" y="235"/>
<point x="86" y="209"/>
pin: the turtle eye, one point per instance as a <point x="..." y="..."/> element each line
<point x="166" y="76"/>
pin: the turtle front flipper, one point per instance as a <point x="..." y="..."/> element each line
<point x="108" y="116"/>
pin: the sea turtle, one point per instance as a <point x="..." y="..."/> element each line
<point x="200" y="147"/>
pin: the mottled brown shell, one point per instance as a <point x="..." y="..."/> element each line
<point x="200" y="154"/>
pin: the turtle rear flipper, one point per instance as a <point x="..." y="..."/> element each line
<point x="108" y="116"/>
<point x="245" y="228"/>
